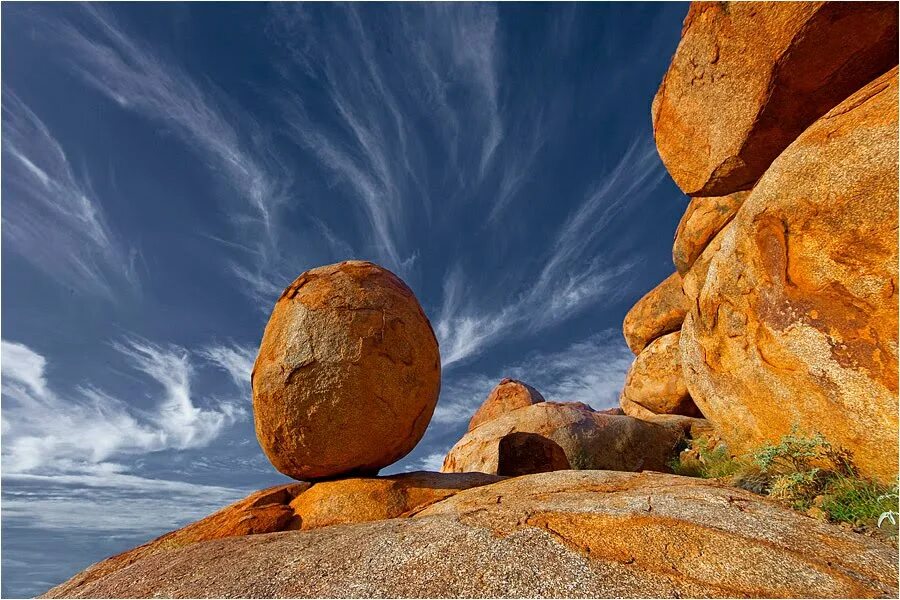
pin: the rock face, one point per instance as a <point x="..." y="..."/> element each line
<point x="298" y="506"/>
<point x="703" y="219"/>
<point x="376" y="498"/>
<point x="747" y="79"/>
<point x="562" y="534"/>
<point x="348" y="373"/>
<point x="508" y="395"/>
<point x="659" y="312"/>
<point x="590" y="440"/>
<point x="655" y="380"/>
<point x="796" y="319"/>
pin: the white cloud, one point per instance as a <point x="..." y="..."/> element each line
<point x="573" y="273"/>
<point x="591" y="371"/>
<point x="44" y="432"/>
<point x="44" y="199"/>
<point x="232" y="144"/>
<point x="234" y="359"/>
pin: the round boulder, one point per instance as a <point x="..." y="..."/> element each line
<point x="348" y="373"/>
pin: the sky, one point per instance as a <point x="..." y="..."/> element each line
<point x="168" y="168"/>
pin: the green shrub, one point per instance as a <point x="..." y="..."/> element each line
<point x="801" y="471"/>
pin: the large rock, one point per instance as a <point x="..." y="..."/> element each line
<point x="348" y="373"/>
<point x="703" y="219"/>
<point x="522" y="453"/>
<point x="659" y="312"/>
<point x="509" y="394"/>
<point x="590" y="440"/>
<point x="796" y="320"/>
<point x="655" y="380"/>
<point x="749" y="77"/>
<point x="376" y="498"/>
<point x="564" y="534"/>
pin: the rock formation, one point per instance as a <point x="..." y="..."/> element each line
<point x="348" y="373"/>
<point x="748" y="78"/>
<point x="563" y="534"/>
<point x="659" y="312"/>
<point x="655" y="381"/>
<point x="789" y="288"/>
<point x="796" y="322"/>
<point x="508" y="395"/>
<point x="589" y="439"/>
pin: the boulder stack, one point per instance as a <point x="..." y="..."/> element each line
<point x="780" y="121"/>
<point x="348" y="373"/>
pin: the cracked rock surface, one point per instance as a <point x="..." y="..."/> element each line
<point x="566" y="533"/>
<point x="348" y="373"/>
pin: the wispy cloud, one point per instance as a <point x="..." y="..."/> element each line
<point x="44" y="199"/>
<point x="234" y="359"/>
<point x="231" y="143"/>
<point x="387" y="109"/>
<point x="573" y="273"/>
<point x="590" y="371"/>
<point x="45" y="433"/>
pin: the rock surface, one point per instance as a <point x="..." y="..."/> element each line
<point x="703" y="219"/>
<point x="348" y="373"/>
<point x="748" y="78"/>
<point x="568" y="533"/>
<point x="655" y="380"/>
<point x="659" y="312"/>
<point x="299" y="506"/>
<point x="509" y="394"/>
<point x="265" y="511"/>
<point x="590" y="440"/>
<point x="359" y="500"/>
<point x="796" y="320"/>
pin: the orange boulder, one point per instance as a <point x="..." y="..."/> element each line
<point x="655" y="381"/>
<point x="659" y="312"/>
<point x="348" y="373"/>
<point x="749" y="77"/>
<point x="508" y="395"/>
<point x="703" y="219"/>
<point x="796" y="317"/>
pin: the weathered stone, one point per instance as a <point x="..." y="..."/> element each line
<point x="796" y="319"/>
<point x="359" y="500"/>
<point x="703" y="219"/>
<point x="655" y="381"/>
<point x="527" y="453"/>
<point x="659" y="312"/>
<point x="563" y="534"/>
<point x="348" y="373"/>
<point x="749" y="77"/>
<point x="509" y="394"/>
<point x="264" y="511"/>
<point x="590" y="440"/>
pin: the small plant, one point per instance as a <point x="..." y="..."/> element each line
<point x="803" y="471"/>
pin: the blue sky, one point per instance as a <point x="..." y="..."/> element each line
<point x="168" y="169"/>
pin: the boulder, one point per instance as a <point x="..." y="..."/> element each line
<point x="375" y="498"/>
<point x="509" y="394"/>
<point x="563" y="534"/>
<point x="748" y="78"/>
<point x="348" y="373"/>
<point x="796" y="319"/>
<point x="522" y="453"/>
<point x="703" y="219"/>
<point x="659" y="312"/>
<point x="590" y="440"/>
<point x="655" y="381"/>
<point x="695" y="277"/>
